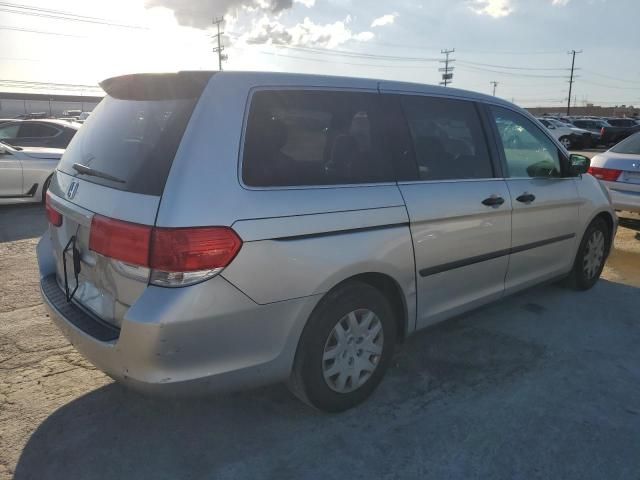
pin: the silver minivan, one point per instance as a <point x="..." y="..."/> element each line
<point x="215" y="231"/>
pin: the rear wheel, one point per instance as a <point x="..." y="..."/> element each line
<point x="591" y="255"/>
<point x="345" y="348"/>
<point x="566" y="142"/>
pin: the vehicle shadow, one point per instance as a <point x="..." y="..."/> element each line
<point x="630" y="223"/>
<point x="460" y="401"/>
<point x="19" y="222"/>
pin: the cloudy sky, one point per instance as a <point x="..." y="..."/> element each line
<point x="521" y="44"/>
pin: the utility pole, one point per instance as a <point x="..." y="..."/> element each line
<point x="571" y="80"/>
<point x="447" y="71"/>
<point x="220" y="47"/>
<point x="495" y="84"/>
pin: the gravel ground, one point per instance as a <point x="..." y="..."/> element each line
<point x="545" y="384"/>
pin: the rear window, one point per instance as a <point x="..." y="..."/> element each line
<point x="298" y="138"/>
<point x="134" y="133"/>
<point x="630" y="145"/>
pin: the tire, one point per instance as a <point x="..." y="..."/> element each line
<point x="320" y="354"/>
<point x="589" y="264"/>
<point x="566" y="142"/>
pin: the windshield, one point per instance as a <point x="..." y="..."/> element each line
<point x="132" y="140"/>
<point x="630" y="145"/>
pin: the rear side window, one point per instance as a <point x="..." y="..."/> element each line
<point x="448" y="139"/>
<point x="306" y="138"/>
<point x="37" y="130"/>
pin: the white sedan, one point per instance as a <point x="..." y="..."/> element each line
<point x="619" y="170"/>
<point x="25" y="172"/>
<point x="569" y="136"/>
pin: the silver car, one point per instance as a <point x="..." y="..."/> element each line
<point x="215" y="231"/>
<point x="619" y="170"/>
<point x="25" y="172"/>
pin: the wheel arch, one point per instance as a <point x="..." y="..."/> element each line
<point x="392" y="291"/>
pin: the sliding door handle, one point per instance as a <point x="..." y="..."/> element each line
<point x="526" y="197"/>
<point x="493" y="201"/>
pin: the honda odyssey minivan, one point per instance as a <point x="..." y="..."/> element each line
<point x="215" y="231"/>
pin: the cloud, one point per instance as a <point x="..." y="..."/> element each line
<point x="384" y="20"/>
<point x="306" y="3"/>
<point x="493" y="8"/>
<point x="200" y="13"/>
<point x="271" y="31"/>
<point x="562" y="3"/>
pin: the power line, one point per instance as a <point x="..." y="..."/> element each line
<point x="511" y="74"/>
<point x="16" y="29"/>
<point x="326" y="60"/>
<point x="350" y="53"/>
<point x="467" y="62"/>
<point x="447" y="71"/>
<point x="60" y="15"/>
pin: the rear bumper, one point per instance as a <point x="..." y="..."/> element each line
<point x="624" y="196"/>
<point x="205" y="338"/>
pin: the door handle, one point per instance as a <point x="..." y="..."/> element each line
<point x="493" y="201"/>
<point x="526" y="197"/>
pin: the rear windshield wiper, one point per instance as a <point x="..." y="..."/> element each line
<point x="83" y="169"/>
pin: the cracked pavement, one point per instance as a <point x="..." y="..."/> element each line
<point x="545" y="384"/>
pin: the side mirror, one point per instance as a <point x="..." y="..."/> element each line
<point x="579" y="164"/>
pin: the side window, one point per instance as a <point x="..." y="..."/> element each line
<point x="528" y="151"/>
<point x="298" y="138"/>
<point x="9" y="131"/>
<point x="37" y="130"/>
<point x="448" y="139"/>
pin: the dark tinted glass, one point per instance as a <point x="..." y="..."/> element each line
<point x="528" y="151"/>
<point x="630" y="145"/>
<point x="448" y="138"/>
<point x="133" y="140"/>
<point x="297" y="138"/>
<point x="38" y="130"/>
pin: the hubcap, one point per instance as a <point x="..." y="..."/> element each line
<point x="594" y="254"/>
<point x="353" y="350"/>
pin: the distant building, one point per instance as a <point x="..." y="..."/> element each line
<point x="13" y="104"/>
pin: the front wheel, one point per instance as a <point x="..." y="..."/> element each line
<point x="591" y="255"/>
<point x="345" y="348"/>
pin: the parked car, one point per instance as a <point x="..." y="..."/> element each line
<point x="569" y="136"/>
<point x="619" y="170"/>
<point x="224" y="230"/>
<point x="25" y="173"/>
<point x="38" y="133"/>
<point x="622" y="122"/>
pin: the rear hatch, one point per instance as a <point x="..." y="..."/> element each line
<point x="107" y="189"/>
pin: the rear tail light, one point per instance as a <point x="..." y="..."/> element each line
<point x="54" y="216"/>
<point x="607" y="174"/>
<point x="175" y="256"/>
